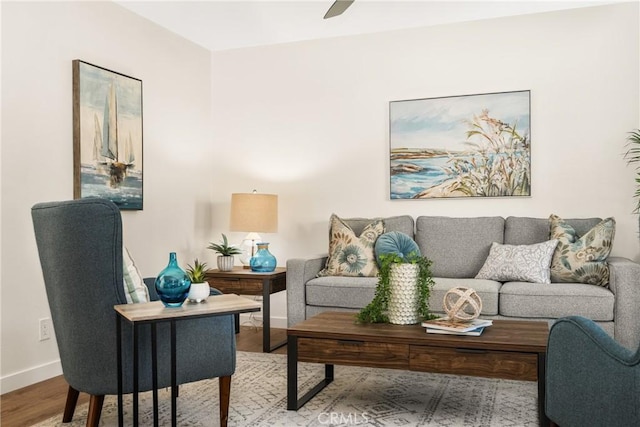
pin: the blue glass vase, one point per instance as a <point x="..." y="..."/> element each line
<point x="263" y="261"/>
<point x="172" y="284"/>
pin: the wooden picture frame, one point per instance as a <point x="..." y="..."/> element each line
<point x="460" y="146"/>
<point x="107" y="136"/>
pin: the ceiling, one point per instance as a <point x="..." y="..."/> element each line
<point x="220" y="25"/>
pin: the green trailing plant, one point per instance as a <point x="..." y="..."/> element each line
<point x="224" y="248"/>
<point x="197" y="272"/>
<point x="633" y="156"/>
<point x="377" y="310"/>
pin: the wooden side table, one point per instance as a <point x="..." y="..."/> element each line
<point x="243" y="281"/>
<point x="153" y="313"/>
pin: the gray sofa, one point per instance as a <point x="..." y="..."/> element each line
<point x="458" y="248"/>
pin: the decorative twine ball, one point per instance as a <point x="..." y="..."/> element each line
<point x="462" y="304"/>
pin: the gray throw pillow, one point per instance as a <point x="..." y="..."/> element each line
<point x="519" y="263"/>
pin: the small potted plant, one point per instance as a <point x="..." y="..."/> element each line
<point x="226" y="251"/>
<point x="383" y="308"/>
<point x="199" y="290"/>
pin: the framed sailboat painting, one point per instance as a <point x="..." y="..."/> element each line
<point x="107" y="136"/>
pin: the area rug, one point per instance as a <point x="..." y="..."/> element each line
<point x="357" y="396"/>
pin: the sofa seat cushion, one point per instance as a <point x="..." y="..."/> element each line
<point x="554" y="300"/>
<point x="340" y="291"/>
<point x="488" y="291"/>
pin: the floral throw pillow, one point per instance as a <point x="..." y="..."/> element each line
<point x="351" y="255"/>
<point x="581" y="259"/>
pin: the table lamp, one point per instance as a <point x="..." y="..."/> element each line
<point x="253" y="213"/>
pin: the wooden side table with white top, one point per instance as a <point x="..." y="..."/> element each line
<point x="153" y="313"/>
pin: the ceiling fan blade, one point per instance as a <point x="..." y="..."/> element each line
<point x="337" y="8"/>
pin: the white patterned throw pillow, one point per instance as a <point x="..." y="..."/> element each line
<point x="134" y="288"/>
<point x="521" y="263"/>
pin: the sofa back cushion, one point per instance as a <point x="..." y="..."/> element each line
<point x="520" y="230"/>
<point x="403" y="224"/>
<point x="458" y="247"/>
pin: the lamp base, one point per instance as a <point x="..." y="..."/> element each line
<point x="248" y="247"/>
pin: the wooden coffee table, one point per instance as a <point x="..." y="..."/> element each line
<point x="508" y="349"/>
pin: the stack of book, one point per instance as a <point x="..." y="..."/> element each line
<point x="444" y="325"/>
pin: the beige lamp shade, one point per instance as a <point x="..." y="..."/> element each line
<point x="253" y="212"/>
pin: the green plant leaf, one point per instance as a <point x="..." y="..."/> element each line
<point x="377" y="310"/>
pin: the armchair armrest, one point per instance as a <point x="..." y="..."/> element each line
<point x="624" y="282"/>
<point x="150" y="282"/>
<point x="590" y="378"/>
<point x="299" y="272"/>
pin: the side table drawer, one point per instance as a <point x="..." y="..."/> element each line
<point x="236" y="286"/>
<point x="481" y="363"/>
<point x="360" y="353"/>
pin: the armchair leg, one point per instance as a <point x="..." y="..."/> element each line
<point x="225" y="394"/>
<point x="70" y="406"/>
<point x="95" y="409"/>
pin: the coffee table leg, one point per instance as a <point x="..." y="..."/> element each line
<point x="292" y="373"/>
<point x="293" y="403"/>
<point x="544" y="420"/>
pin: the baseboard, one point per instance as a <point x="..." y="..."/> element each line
<point x="30" y="376"/>
<point x="276" y="322"/>
<point x="44" y="372"/>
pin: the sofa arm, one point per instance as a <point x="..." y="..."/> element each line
<point x="299" y="272"/>
<point x="624" y="282"/>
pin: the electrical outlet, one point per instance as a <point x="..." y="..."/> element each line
<point x="46" y="329"/>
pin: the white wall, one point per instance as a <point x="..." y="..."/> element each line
<point x="309" y="120"/>
<point x="39" y="41"/>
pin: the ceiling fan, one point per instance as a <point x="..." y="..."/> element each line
<point x="337" y="8"/>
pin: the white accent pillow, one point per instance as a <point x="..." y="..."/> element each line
<point x="134" y="288"/>
<point x="519" y="263"/>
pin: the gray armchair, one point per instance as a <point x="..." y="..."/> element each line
<point x="80" y="248"/>
<point x="591" y="380"/>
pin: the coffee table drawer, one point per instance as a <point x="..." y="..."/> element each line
<point x="482" y="363"/>
<point x="347" y="352"/>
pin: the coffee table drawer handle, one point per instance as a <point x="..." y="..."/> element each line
<point x="471" y="350"/>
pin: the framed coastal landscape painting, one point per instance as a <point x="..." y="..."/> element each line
<point x="107" y="136"/>
<point x="460" y="146"/>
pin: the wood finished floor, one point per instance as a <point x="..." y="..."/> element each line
<point x="43" y="400"/>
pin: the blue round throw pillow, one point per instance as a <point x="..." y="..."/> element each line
<point x="395" y="242"/>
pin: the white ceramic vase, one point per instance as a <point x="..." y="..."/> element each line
<point x="225" y="263"/>
<point x="198" y="292"/>
<point x="404" y="296"/>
